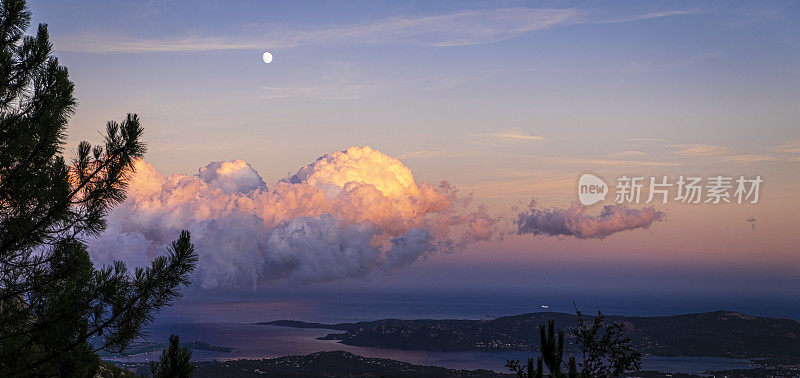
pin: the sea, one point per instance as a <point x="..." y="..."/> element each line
<point x="230" y="322"/>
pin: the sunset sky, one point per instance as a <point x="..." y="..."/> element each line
<point x="509" y="101"/>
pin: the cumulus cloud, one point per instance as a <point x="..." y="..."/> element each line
<point x="345" y="215"/>
<point x="348" y="214"/>
<point x="574" y="221"/>
<point x="231" y="176"/>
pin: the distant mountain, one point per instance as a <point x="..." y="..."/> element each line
<point x="330" y="364"/>
<point x="713" y="334"/>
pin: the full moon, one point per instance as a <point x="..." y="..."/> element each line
<point x="267" y="57"/>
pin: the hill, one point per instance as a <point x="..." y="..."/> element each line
<point x="713" y="334"/>
<point x="330" y="364"/>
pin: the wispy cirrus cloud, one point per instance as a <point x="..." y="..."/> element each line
<point x="648" y="140"/>
<point x="614" y="163"/>
<point x="624" y="154"/>
<point x="335" y="81"/>
<point x="509" y="136"/>
<point x="434" y="154"/>
<point x="640" y="67"/>
<point x="646" y="16"/>
<point x="700" y="149"/>
<point x="789" y="148"/>
<point x="462" y="28"/>
<point x="333" y="91"/>
<point x="745" y="158"/>
<point x="722" y="154"/>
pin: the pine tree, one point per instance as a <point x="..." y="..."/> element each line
<point x="573" y="368"/>
<point x="552" y="354"/>
<point x="552" y="348"/>
<point x="526" y="370"/>
<point x="174" y="361"/>
<point x="607" y="351"/>
<point x="536" y="372"/>
<point x="56" y="308"/>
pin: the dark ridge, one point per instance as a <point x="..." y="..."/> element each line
<point x="330" y="364"/>
<point x="712" y="334"/>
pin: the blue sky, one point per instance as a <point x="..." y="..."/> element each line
<point x="508" y="100"/>
<point x="386" y="74"/>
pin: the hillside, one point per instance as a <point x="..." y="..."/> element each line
<point x="714" y="334"/>
<point x="330" y="364"/>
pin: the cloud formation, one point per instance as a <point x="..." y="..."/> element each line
<point x="462" y="28"/>
<point x="345" y="215"/>
<point x="510" y="136"/>
<point x="624" y="154"/>
<point x="574" y="221"/>
<point x="348" y="214"/>
<point x="722" y="154"/>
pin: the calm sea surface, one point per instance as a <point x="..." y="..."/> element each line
<point x="229" y="322"/>
<point x="257" y="341"/>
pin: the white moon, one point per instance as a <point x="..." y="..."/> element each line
<point x="267" y="57"/>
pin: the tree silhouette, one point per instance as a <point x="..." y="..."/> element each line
<point x="527" y="370"/>
<point x="552" y="348"/>
<point x="552" y="354"/>
<point x="606" y="350"/>
<point x="573" y="368"/>
<point x="56" y="308"/>
<point x="174" y="361"/>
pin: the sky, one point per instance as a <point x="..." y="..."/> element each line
<point x="508" y="101"/>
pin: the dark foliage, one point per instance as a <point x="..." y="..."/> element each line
<point x="174" y="361"/>
<point x="527" y="370"/>
<point x="552" y="348"/>
<point x="56" y="308"/>
<point x="331" y="364"/>
<point x="607" y="351"/>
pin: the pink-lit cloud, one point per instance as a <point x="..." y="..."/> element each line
<point x="345" y="215"/>
<point x="348" y="214"/>
<point x="574" y="221"/>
